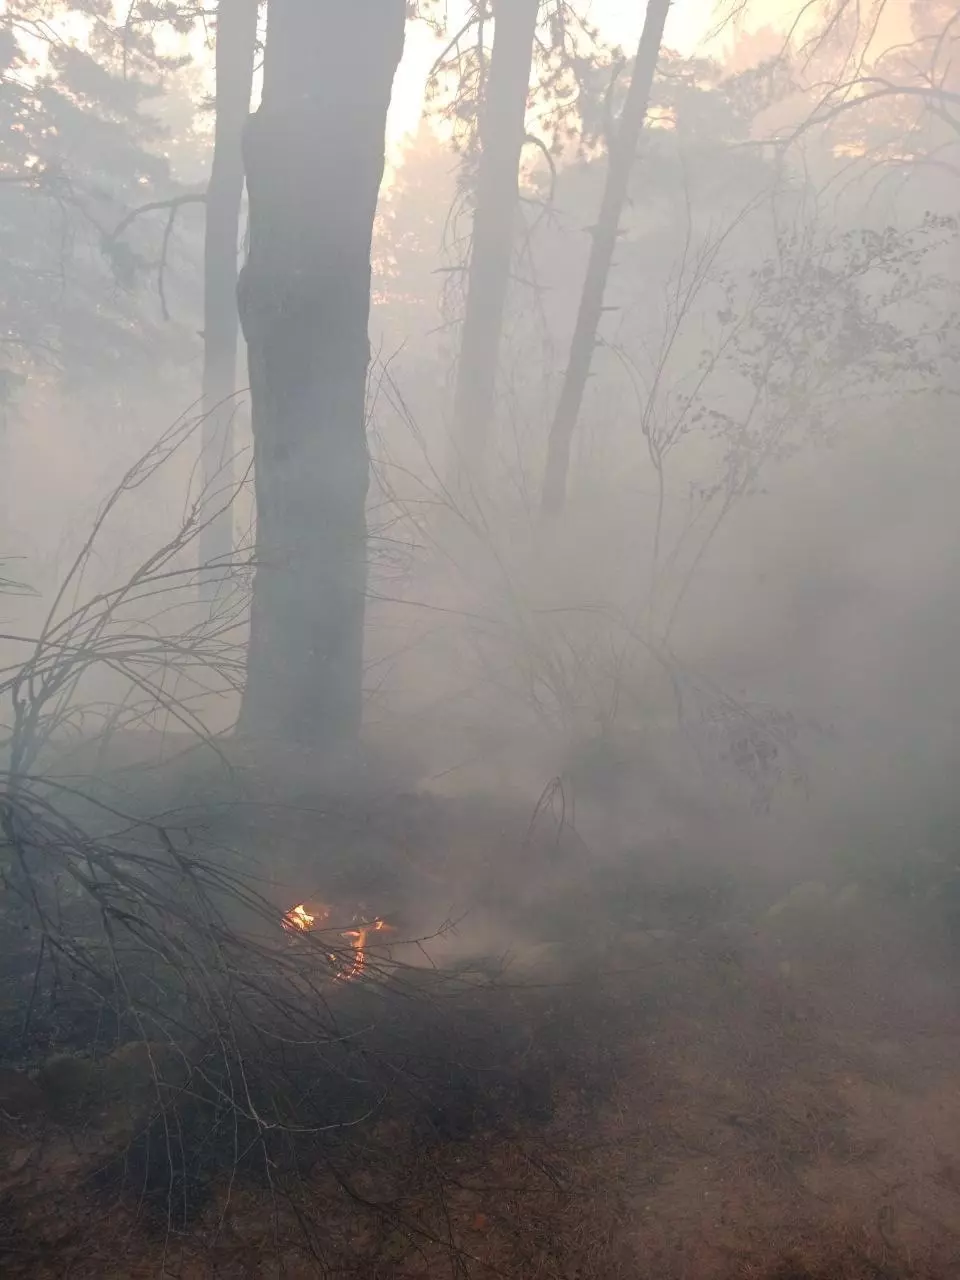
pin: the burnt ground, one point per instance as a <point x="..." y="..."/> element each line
<point x="683" y="1071"/>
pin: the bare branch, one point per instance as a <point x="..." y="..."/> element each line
<point x="173" y="204"/>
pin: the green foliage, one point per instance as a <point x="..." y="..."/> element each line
<point x="80" y="149"/>
<point x="574" y="73"/>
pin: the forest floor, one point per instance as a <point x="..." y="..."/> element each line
<point x="760" y="1081"/>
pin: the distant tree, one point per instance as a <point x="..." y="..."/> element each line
<point x="543" y="52"/>
<point x="408" y="238"/>
<point x="80" y="149"/>
<point x="887" y="99"/>
<point x="622" y="155"/>
<point x="502" y="130"/>
<point x="314" y="159"/>
<point x="236" y="40"/>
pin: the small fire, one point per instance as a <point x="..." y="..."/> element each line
<point x="358" y="940"/>
<point x="300" y="919"/>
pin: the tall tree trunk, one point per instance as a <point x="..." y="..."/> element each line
<point x="623" y="150"/>
<point x="502" y="133"/>
<point x="236" y="46"/>
<point x="314" y="155"/>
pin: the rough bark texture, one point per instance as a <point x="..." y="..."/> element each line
<point x="502" y="133"/>
<point x="314" y="155"/>
<point x="236" y="45"/>
<point x="623" y="150"/>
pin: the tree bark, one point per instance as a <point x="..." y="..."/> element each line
<point x="623" y="150"/>
<point x="502" y="134"/>
<point x="314" y="154"/>
<point x="236" y="46"/>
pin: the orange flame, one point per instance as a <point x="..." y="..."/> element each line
<point x="358" y="940"/>
<point x="300" y="919"/>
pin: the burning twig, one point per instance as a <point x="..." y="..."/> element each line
<point x="358" y="940"/>
<point x="299" y="920"/>
<point x="304" y="919"/>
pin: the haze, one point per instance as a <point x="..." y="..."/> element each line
<point x="480" y="639"/>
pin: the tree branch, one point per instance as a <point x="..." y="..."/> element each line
<point x="828" y="111"/>
<point x="175" y="203"/>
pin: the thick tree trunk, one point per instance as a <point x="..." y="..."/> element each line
<point x="502" y="133"/>
<point x="314" y="155"/>
<point x="623" y="150"/>
<point x="236" y="45"/>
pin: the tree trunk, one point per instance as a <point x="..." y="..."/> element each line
<point x="314" y="155"/>
<point x="502" y="133"/>
<point x="623" y="150"/>
<point x="236" y="45"/>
